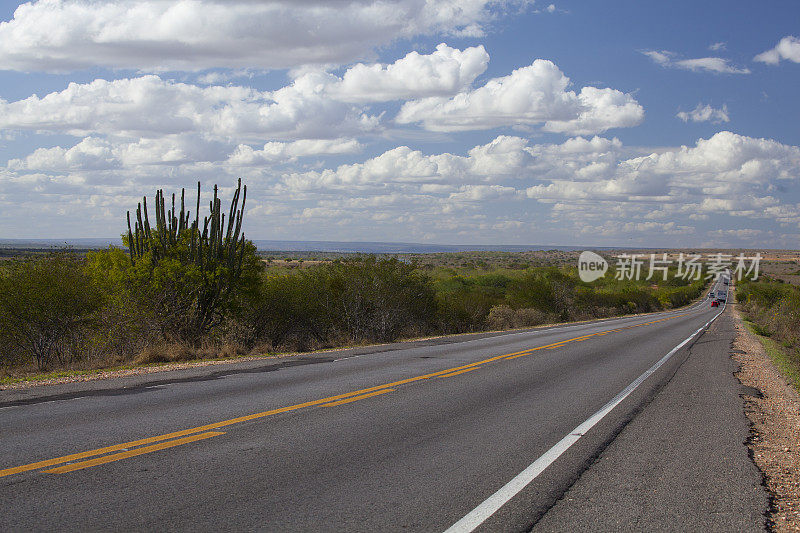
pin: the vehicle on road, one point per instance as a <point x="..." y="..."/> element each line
<point x="722" y="295"/>
<point x="715" y="303"/>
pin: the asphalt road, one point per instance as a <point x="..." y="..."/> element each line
<point x="410" y="436"/>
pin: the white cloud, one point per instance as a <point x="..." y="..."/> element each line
<point x="705" y="113"/>
<point x="149" y="106"/>
<point x="616" y="229"/>
<point x="583" y="187"/>
<point x="788" y="48"/>
<point x="93" y="153"/>
<point x="444" y="72"/>
<point x="213" y="78"/>
<point x="495" y="163"/>
<point x="245" y="155"/>
<point x="745" y="235"/>
<point x="152" y="35"/>
<point x="718" y="46"/>
<point x="716" y="65"/>
<point x="600" y="110"/>
<point x="530" y="95"/>
<point x="480" y="193"/>
<point x="316" y="104"/>
<point x="727" y="173"/>
<point x="89" y="154"/>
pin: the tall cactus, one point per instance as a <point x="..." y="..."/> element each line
<point x="217" y="250"/>
<point x="216" y="244"/>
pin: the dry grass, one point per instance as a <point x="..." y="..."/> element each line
<point x="172" y="352"/>
<point x="502" y="317"/>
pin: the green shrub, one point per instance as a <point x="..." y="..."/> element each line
<point x="464" y="309"/>
<point x="191" y="280"/>
<point x="47" y="316"/>
<point x="548" y="290"/>
<point x="774" y="308"/>
<point x="359" y="300"/>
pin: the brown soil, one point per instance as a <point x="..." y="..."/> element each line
<point x="775" y="418"/>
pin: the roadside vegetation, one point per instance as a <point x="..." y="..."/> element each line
<point x="185" y="288"/>
<point x="772" y="310"/>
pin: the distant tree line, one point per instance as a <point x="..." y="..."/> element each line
<point x="187" y="288"/>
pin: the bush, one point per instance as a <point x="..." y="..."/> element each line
<point x="178" y="296"/>
<point x="773" y="307"/>
<point x="464" y="310"/>
<point x="548" y="290"/>
<point x="506" y="317"/>
<point x="360" y="300"/>
<point x="187" y="281"/>
<point x="48" y="310"/>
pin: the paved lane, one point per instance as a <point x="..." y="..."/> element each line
<point x="409" y="436"/>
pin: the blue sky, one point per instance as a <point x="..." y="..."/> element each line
<point x="566" y="123"/>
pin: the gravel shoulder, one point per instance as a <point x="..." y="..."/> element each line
<point x="774" y="413"/>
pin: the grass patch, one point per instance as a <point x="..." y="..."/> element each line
<point x="786" y="362"/>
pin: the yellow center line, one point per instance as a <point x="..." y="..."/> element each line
<point x="131" y="453"/>
<point x="362" y="393"/>
<point x="462" y="371"/>
<point x="356" y="398"/>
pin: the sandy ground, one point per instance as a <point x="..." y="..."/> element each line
<point x="775" y="418"/>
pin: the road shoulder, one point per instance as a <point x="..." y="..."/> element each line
<point x="774" y="412"/>
<point x="682" y="463"/>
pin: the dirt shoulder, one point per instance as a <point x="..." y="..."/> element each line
<point x="775" y="432"/>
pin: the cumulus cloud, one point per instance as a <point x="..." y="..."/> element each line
<point x="726" y="173"/>
<point x="316" y="104"/>
<point x="93" y="153"/>
<point x="444" y="72"/>
<point x="245" y="155"/>
<point x="498" y="161"/>
<point x="536" y="94"/>
<point x="90" y="154"/>
<point x="716" y="65"/>
<point x="592" y="185"/>
<point x="149" y="106"/>
<point x="750" y="236"/>
<point x="481" y="193"/>
<point x="153" y="35"/>
<point x="734" y="171"/>
<point x="96" y="154"/>
<point x="788" y="48"/>
<point x="705" y="113"/>
<point x="583" y="186"/>
<point x="600" y="110"/>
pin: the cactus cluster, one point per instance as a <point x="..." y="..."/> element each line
<point x="210" y="257"/>
<point x="216" y="245"/>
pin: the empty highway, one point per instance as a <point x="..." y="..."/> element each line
<point x="494" y="432"/>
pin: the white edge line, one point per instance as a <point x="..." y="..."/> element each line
<point x="494" y="502"/>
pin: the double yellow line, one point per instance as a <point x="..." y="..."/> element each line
<point x="78" y="461"/>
